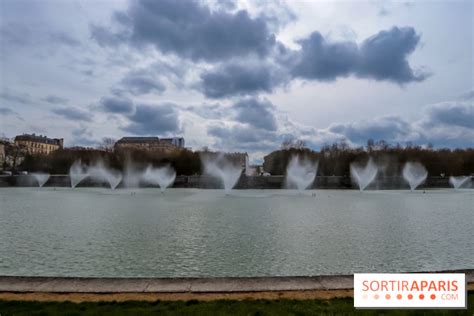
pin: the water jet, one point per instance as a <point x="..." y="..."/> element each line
<point x="300" y="173"/>
<point x="415" y="174"/>
<point x="220" y="167"/>
<point x="40" y="177"/>
<point x="77" y="173"/>
<point x="459" y="182"/>
<point x="163" y="176"/>
<point x="364" y="175"/>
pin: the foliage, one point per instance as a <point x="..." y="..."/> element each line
<point x="185" y="162"/>
<point x="336" y="159"/>
<point x="333" y="159"/>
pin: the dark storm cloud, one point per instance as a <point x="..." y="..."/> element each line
<point x="384" y="56"/>
<point x="325" y="61"/>
<point x="256" y="113"/>
<point x="380" y="57"/>
<point x="154" y="120"/>
<point x="141" y="82"/>
<point x="73" y="114"/>
<point x="54" y="99"/>
<point x="189" y="29"/>
<point x="237" y="79"/>
<point x="116" y="105"/>
<point x="451" y="113"/>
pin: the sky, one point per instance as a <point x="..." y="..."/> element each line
<point x="239" y="76"/>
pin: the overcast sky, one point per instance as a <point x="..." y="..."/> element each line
<point x="239" y="76"/>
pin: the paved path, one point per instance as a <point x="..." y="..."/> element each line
<point x="172" y="285"/>
<point x="180" y="285"/>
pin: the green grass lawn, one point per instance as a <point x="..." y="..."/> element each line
<point x="222" y="307"/>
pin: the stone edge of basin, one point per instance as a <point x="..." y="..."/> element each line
<point x="23" y="284"/>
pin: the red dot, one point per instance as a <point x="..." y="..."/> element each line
<point x="422" y="296"/>
<point x="433" y="296"/>
<point x="410" y="296"/>
<point x="387" y="296"/>
<point x="399" y="296"/>
<point x="376" y="296"/>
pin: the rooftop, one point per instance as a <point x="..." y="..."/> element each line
<point x="38" y="138"/>
<point x="138" y="140"/>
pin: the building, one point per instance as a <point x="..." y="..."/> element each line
<point x="177" y="141"/>
<point x="38" y="144"/>
<point x="165" y="145"/>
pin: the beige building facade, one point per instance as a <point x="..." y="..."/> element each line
<point x="38" y="144"/>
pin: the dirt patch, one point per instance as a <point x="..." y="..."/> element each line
<point x="120" y="297"/>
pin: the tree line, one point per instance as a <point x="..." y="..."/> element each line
<point x="333" y="159"/>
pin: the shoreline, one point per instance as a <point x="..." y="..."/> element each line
<point x="245" y="182"/>
<point x="176" y="289"/>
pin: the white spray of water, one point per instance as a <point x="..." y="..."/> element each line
<point x="415" y="174"/>
<point x="101" y="173"/>
<point x="40" y="177"/>
<point x="300" y="173"/>
<point x="218" y="166"/>
<point x="459" y="182"/>
<point x="77" y="173"/>
<point x="163" y="176"/>
<point x="364" y="175"/>
<point x="132" y="175"/>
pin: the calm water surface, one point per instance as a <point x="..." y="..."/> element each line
<point x="99" y="232"/>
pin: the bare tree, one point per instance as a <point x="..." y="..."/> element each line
<point x="287" y="143"/>
<point x="291" y="143"/>
<point x="299" y="144"/>
<point x="107" y="144"/>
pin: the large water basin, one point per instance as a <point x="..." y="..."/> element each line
<point x="97" y="232"/>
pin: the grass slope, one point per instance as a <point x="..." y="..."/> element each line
<point x="221" y="307"/>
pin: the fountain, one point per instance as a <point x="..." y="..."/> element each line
<point x="459" y="182"/>
<point x="300" y="174"/>
<point x="163" y="176"/>
<point x="77" y="173"/>
<point x="364" y="175"/>
<point x="218" y="166"/>
<point x="40" y="177"/>
<point x="415" y="174"/>
<point x="100" y="173"/>
<point x="132" y="175"/>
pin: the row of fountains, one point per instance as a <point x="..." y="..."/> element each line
<point x="300" y="174"/>
<point x="99" y="173"/>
